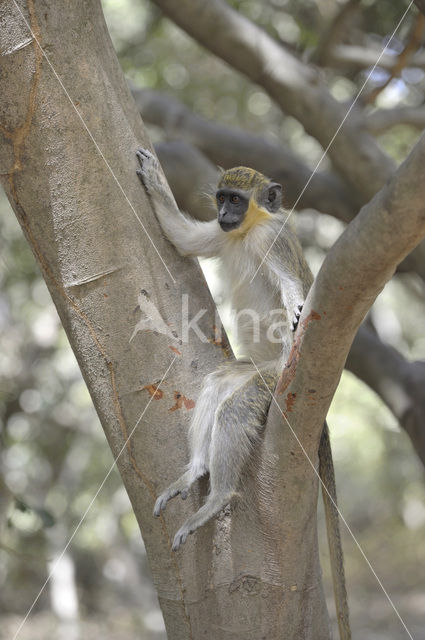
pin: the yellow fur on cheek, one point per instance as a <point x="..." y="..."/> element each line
<point x="253" y="216"/>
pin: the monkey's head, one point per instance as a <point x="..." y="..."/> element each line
<point x="245" y="198"/>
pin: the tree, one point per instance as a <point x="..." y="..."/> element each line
<point x="67" y="158"/>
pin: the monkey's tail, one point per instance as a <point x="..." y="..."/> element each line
<point x="327" y="475"/>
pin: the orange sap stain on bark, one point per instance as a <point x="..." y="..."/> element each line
<point x="181" y="401"/>
<point x="153" y="391"/>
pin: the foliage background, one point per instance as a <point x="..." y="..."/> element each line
<point x="54" y="455"/>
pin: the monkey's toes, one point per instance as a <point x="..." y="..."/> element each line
<point x="160" y="505"/>
<point x="179" y="539"/>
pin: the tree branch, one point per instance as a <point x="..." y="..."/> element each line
<point x="230" y="147"/>
<point x="383" y="119"/>
<point x="297" y="88"/>
<point x="334" y="33"/>
<point x="362" y="57"/>
<point x="412" y="44"/>
<point x="182" y="164"/>
<point x="100" y="250"/>
<point x="396" y="381"/>
<point x="353" y="273"/>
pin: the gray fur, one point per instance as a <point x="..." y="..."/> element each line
<point x="233" y="403"/>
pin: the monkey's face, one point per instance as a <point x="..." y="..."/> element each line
<point x="232" y="205"/>
<point x="240" y="209"/>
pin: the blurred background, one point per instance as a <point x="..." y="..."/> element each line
<point x="54" y="455"/>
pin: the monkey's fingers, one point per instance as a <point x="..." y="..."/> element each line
<point x="149" y="170"/>
<point x="295" y="321"/>
<point x="141" y="175"/>
<point x="297" y="315"/>
<point x="143" y="155"/>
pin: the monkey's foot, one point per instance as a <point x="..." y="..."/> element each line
<point x="160" y="505"/>
<point x="173" y="491"/>
<point x="180" y="538"/>
<point x="297" y="315"/>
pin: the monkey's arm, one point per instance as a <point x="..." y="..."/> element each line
<point x="190" y="237"/>
<point x="286" y="261"/>
<point x="292" y="296"/>
<point x="291" y="290"/>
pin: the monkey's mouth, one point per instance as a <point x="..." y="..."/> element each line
<point x="229" y="226"/>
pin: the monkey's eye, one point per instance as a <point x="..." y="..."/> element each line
<point x="234" y="199"/>
<point x="220" y="198"/>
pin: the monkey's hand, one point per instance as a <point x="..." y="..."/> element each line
<point x="149" y="169"/>
<point x="151" y="176"/>
<point x="296" y="317"/>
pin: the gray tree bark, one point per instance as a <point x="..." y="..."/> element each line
<point x="253" y="572"/>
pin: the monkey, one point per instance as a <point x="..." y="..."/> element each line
<point x="251" y="229"/>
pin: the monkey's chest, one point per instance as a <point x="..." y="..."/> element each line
<point x="258" y="297"/>
<point x="259" y="321"/>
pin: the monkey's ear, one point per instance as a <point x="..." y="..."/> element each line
<point x="273" y="196"/>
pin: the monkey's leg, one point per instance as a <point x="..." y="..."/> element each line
<point x="200" y="436"/>
<point x="182" y="486"/>
<point x="214" y="389"/>
<point x="212" y="507"/>
<point x="226" y="468"/>
<point x="239" y="419"/>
